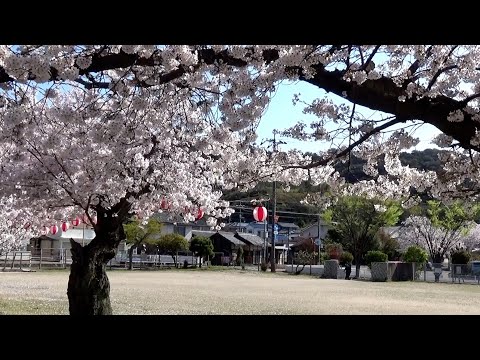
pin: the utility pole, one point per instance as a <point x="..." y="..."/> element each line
<point x="240" y="219"/>
<point x="274" y="213"/>
<point x="274" y="208"/>
<point x="274" y="204"/>
<point x="319" y="258"/>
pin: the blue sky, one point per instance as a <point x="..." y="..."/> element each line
<point x="282" y="114"/>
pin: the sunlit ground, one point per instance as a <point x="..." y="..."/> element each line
<point x="237" y="292"/>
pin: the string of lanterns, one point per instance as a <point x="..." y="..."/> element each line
<point x="164" y="205"/>
<point x="65" y="225"/>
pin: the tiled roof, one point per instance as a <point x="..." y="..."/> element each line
<point x="250" y="238"/>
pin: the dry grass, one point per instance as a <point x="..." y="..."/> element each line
<point x="236" y="292"/>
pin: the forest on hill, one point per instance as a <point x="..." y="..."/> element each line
<point x="291" y="201"/>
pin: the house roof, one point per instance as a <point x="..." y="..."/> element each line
<point x="250" y="239"/>
<point x="288" y="225"/>
<point x="203" y="233"/>
<point x="302" y="241"/>
<point x="230" y="237"/>
<point x="393" y="231"/>
<point x="315" y="224"/>
<point x="236" y="224"/>
<point x="165" y="217"/>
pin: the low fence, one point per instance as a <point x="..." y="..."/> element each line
<point x="16" y="260"/>
<point x="157" y="260"/>
<point x="61" y="258"/>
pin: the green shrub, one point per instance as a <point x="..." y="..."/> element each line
<point x="264" y="266"/>
<point x="346" y="258"/>
<point x="415" y="254"/>
<point x="475" y="256"/>
<point x="375" y="256"/>
<point x="460" y="257"/>
<point x="334" y="250"/>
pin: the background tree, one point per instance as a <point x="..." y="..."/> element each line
<point x="460" y="256"/>
<point x="303" y="258"/>
<point x="442" y="228"/>
<point x="172" y="244"/>
<point x="138" y="234"/>
<point x="356" y="220"/>
<point x="202" y="246"/>
<point x="239" y="260"/>
<point x="388" y="245"/>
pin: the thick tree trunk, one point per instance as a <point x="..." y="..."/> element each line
<point x="88" y="285"/>
<point x="357" y="270"/>
<point x="437" y="258"/>
<point x="130" y="258"/>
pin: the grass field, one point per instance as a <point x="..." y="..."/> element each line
<point x="236" y="292"/>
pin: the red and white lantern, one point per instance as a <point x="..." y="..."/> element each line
<point x="76" y="221"/>
<point x="199" y="214"/>
<point x="164" y="205"/>
<point x="94" y="219"/>
<point x="64" y="226"/>
<point x="260" y="213"/>
<point x="54" y="229"/>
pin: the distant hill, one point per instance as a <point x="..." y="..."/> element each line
<point x="290" y="201"/>
<point x="426" y="160"/>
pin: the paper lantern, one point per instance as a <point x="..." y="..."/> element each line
<point x="164" y="205"/>
<point x="199" y="214"/>
<point x="260" y="213"/>
<point x="64" y="226"/>
<point x="76" y="221"/>
<point x="54" y="229"/>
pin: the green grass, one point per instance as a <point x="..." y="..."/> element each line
<point x="225" y="290"/>
<point x="28" y="306"/>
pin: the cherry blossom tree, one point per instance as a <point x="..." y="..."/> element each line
<point x="442" y="229"/>
<point x="111" y="130"/>
<point x="15" y="229"/>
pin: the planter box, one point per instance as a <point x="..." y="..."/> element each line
<point x="392" y="271"/>
<point x="379" y="271"/>
<point x="331" y="269"/>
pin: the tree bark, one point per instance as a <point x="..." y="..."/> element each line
<point x="88" y="285"/>
<point x="358" y="262"/>
<point x="130" y="258"/>
<point x="174" y="257"/>
<point x="357" y="270"/>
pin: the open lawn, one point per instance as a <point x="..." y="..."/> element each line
<point x="237" y="292"/>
